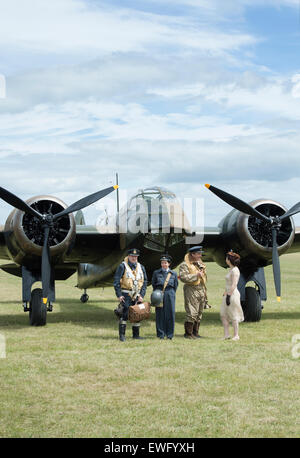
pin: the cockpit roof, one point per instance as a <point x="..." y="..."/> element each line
<point x="156" y="192"/>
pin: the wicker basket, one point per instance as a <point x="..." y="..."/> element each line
<point x="139" y="312"/>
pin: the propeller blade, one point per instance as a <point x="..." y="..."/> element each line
<point x="292" y="211"/>
<point x="46" y="266"/>
<point x="18" y="203"/>
<point x="85" y="202"/>
<point x="276" y="265"/>
<point x="237" y="203"/>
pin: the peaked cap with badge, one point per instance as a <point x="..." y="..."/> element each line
<point x="166" y="257"/>
<point x="133" y="252"/>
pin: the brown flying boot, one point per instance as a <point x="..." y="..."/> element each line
<point x="196" y="329"/>
<point x="188" y="327"/>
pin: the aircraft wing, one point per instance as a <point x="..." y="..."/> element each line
<point x="213" y="243"/>
<point x="212" y="240"/>
<point x="295" y="248"/>
<point x="93" y="244"/>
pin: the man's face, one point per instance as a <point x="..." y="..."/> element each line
<point x="196" y="256"/>
<point x="132" y="258"/>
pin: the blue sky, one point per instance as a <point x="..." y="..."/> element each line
<point x="173" y="93"/>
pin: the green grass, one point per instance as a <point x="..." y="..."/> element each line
<point x="73" y="378"/>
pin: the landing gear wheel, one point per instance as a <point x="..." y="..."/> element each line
<point x="84" y="298"/>
<point x="252" y="305"/>
<point x="38" y="310"/>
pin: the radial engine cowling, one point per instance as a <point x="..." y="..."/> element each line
<point x="252" y="237"/>
<point x="24" y="232"/>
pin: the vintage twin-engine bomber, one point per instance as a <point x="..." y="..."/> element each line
<point x="42" y="242"/>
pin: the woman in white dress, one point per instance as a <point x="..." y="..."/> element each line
<point x="231" y="310"/>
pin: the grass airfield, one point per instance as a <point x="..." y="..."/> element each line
<point x="73" y="378"/>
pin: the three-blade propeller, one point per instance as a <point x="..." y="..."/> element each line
<point x="274" y="222"/>
<point x="47" y="221"/>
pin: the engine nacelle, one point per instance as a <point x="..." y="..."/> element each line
<point x="24" y="232"/>
<point x="252" y="237"/>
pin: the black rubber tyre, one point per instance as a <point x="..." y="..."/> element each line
<point x="252" y="305"/>
<point x="84" y="298"/>
<point x="38" y="310"/>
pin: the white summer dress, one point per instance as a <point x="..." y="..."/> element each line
<point x="234" y="311"/>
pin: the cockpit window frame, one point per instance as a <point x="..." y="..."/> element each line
<point x="160" y="193"/>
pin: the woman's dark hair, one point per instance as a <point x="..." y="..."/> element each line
<point x="234" y="258"/>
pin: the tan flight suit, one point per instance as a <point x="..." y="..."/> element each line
<point x="194" y="294"/>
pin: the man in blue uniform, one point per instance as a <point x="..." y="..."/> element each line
<point x="130" y="283"/>
<point x="165" y="316"/>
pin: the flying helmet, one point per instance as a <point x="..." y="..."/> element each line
<point x="157" y="298"/>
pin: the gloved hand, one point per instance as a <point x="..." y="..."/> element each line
<point x="227" y="299"/>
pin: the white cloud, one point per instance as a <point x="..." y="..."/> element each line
<point x="68" y="26"/>
<point x="51" y="128"/>
<point x="165" y="99"/>
<point x="2" y="87"/>
<point x="296" y="86"/>
<point x="274" y="96"/>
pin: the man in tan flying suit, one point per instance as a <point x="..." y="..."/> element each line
<point x="192" y="272"/>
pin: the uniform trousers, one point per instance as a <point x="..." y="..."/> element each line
<point x="194" y="302"/>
